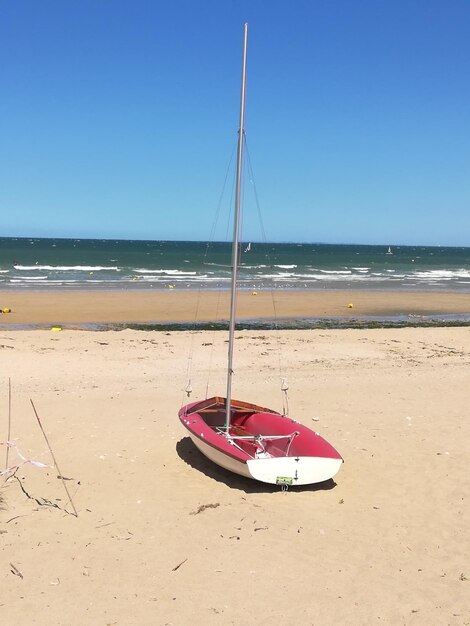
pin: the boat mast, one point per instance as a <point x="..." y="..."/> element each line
<point x="236" y="228"/>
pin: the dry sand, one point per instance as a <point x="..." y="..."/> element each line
<point x="387" y="543"/>
<point x="75" y="307"/>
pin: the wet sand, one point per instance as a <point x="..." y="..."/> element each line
<point x="76" y="307"/>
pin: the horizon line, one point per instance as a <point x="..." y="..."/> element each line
<point x="253" y="241"/>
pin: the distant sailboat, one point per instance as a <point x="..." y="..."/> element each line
<point x="248" y="248"/>
<point x="389" y="251"/>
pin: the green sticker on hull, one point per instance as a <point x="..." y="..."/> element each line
<point x="284" y="480"/>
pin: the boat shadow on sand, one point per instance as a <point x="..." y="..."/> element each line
<point x="188" y="453"/>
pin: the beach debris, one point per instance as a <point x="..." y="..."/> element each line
<point x="9" y="423"/>
<point x="261" y="528"/>
<point x="315" y="419"/>
<point x="39" y="500"/>
<point x="14" y="570"/>
<point x="54" y="459"/>
<point x="179" y="565"/>
<point x="350" y="305"/>
<point x="462" y="577"/>
<point x="16" y="517"/>
<point x="254" y="293"/>
<point x="55" y="582"/>
<point x="6" y="310"/>
<point x="203" y="507"/>
<point x="124" y="537"/>
<point x="56" y="329"/>
<point x="13" y="468"/>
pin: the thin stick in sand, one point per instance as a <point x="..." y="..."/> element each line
<point x="54" y="459"/>
<point x="9" y="425"/>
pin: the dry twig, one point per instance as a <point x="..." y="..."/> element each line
<point x="54" y="459"/>
<point x="179" y="565"/>
<point x="14" y="570"/>
<point x="203" y="507"/>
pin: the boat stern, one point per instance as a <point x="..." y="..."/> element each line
<point x="294" y="470"/>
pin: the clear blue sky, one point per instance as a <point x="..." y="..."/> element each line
<point x="118" y="118"/>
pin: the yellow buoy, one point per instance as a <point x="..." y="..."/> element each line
<point x="6" y="310"/>
<point x="350" y="306"/>
<point x="56" y="329"/>
<point x="254" y="293"/>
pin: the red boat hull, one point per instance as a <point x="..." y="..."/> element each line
<point x="261" y="443"/>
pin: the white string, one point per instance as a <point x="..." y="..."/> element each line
<point x="13" y="468"/>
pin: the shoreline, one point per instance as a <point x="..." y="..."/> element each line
<point x="91" y="307"/>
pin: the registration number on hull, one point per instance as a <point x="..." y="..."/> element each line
<point x="284" y="480"/>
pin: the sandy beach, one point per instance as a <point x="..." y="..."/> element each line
<point x="145" y="306"/>
<point x="164" y="537"/>
<point x="288" y="211"/>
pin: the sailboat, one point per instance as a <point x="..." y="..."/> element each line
<point x="389" y="251"/>
<point x="245" y="438"/>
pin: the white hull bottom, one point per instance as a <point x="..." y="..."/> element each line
<point x="304" y="470"/>
<point x="219" y="458"/>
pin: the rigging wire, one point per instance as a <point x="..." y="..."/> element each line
<point x="188" y="389"/>
<point x="219" y="291"/>
<point x="283" y="378"/>
<point x="241" y="213"/>
<point x="219" y="205"/>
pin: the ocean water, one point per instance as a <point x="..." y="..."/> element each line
<point x="29" y="263"/>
